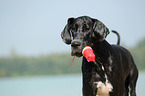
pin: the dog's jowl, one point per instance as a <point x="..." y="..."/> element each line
<point x="114" y="72"/>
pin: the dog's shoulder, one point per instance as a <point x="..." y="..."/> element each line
<point x="121" y="50"/>
<point x="118" y="47"/>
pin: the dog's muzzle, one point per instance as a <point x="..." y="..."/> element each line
<point x="76" y="48"/>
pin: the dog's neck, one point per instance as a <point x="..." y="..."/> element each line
<point x="101" y="50"/>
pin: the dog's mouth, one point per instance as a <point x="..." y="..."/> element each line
<point x="76" y="51"/>
<point x="77" y="54"/>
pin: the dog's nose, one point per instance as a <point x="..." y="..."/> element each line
<point x="75" y="43"/>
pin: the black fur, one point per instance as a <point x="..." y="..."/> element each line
<point x="117" y="61"/>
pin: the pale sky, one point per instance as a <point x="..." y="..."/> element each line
<point x="33" y="27"/>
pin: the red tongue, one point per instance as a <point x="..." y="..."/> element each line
<point x="88" y="53"/>
<point x="71" y="61"/>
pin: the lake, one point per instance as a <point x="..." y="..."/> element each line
<point x="65" y="85"/>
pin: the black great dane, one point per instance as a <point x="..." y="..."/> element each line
<point x="114" y="64"/>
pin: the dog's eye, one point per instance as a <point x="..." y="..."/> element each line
<point x="75" y="28"/>
<point x="86" y="28"/>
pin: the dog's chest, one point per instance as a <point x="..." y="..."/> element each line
<point x="102" y="82"/>
<point x="104" y="69"/>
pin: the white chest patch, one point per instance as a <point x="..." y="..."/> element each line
<point x="103" y="88"/>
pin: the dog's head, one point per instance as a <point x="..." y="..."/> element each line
<point x="83" y="31"/>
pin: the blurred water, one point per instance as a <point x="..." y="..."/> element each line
<point x="66" y="85"/>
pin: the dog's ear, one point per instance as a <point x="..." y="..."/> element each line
<point x="66" y="34"/>
<point x="100" y="31"/>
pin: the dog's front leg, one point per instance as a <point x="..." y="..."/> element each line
<point x="89" y="88"/>
<point x="88" y="85"/>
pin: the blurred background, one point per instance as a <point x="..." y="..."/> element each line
<point x="33" y="58"/>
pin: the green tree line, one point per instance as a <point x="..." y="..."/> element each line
<point x="138" y="53"/>
<point x="54" y="64"/>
